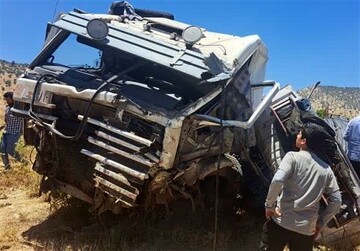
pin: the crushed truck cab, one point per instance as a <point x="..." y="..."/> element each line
<point x="133" y="108"/>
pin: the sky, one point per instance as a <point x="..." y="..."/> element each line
<point x="308" y="40"/>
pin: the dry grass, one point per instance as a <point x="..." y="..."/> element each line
<point x="21" y="176"/>
<point x="8" y="234"/>
<point x="73" y="228"/>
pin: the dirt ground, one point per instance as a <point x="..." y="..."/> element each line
<point x="30" y="223"/>
<point x="18" y="213"/>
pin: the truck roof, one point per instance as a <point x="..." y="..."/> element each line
<point x="160" y="40"/>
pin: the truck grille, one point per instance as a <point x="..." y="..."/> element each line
<point x="123" y="161"/>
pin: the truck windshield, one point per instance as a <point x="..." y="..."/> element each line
<point x="76" y="55"/>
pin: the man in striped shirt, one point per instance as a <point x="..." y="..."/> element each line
<point x="13" y="129"/>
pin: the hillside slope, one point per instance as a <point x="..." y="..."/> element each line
<point x="336" y="101"/>
<point x="9" y="72"/>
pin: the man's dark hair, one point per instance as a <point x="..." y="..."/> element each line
<point x="320" y="142"/>
<point x="8" y="95"/>
<point x="314" y="135"/>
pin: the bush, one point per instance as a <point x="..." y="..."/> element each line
<point x="321" y="113"/>
<point x="8" y="83"/>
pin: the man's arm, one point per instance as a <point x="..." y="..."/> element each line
<point x="277" y="185"/>
<point x="334" y="202"/>
<point x="347" y="132"/>
<point x="275" y="188"/>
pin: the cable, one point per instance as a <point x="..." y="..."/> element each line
<point x="87" y="111"/>
<point x="222" y="112"/>
<point x="81" y="128"/>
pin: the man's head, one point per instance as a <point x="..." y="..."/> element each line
<point x="309" y="136"/>
<point x="8" y="97"/>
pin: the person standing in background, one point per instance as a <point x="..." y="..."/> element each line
<point x="352" y="136"/>
<point x="13" y="129"/>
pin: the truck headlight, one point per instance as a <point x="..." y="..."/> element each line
<point x="192" y="34"/>
<point x="97" y="29"/>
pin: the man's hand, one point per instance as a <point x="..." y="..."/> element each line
<point x="272" y="211"/>
<point x="317" y="232"/>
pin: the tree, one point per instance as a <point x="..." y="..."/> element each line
<point x="321" y="113"/>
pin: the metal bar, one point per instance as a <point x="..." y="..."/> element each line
<point x="281" y="104"/>
<point x="152" y="157"/>
<point x="120" y="152"/>
<point x="127" y="145"/>
<point x="116" y="165"/>
<point x="313" y="89"/>
<point x="117" y="176"/>
<point x="288" y="100"/>
<point x="74" y="191"/>
<point x="116" y="188"/>
<point x="117" y="141"/>
<point x="105" y="184"/>
<point x="25" y="113"/>
<point x="117" y="131"/>
<point x="279" y="120"/>
<point x="256" y="114"/>
<point x="49" y="48"/>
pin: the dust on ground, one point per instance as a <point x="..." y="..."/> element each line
<point x="28" y="222"/>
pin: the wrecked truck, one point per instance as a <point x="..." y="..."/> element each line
<point x="133" y="108"/>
